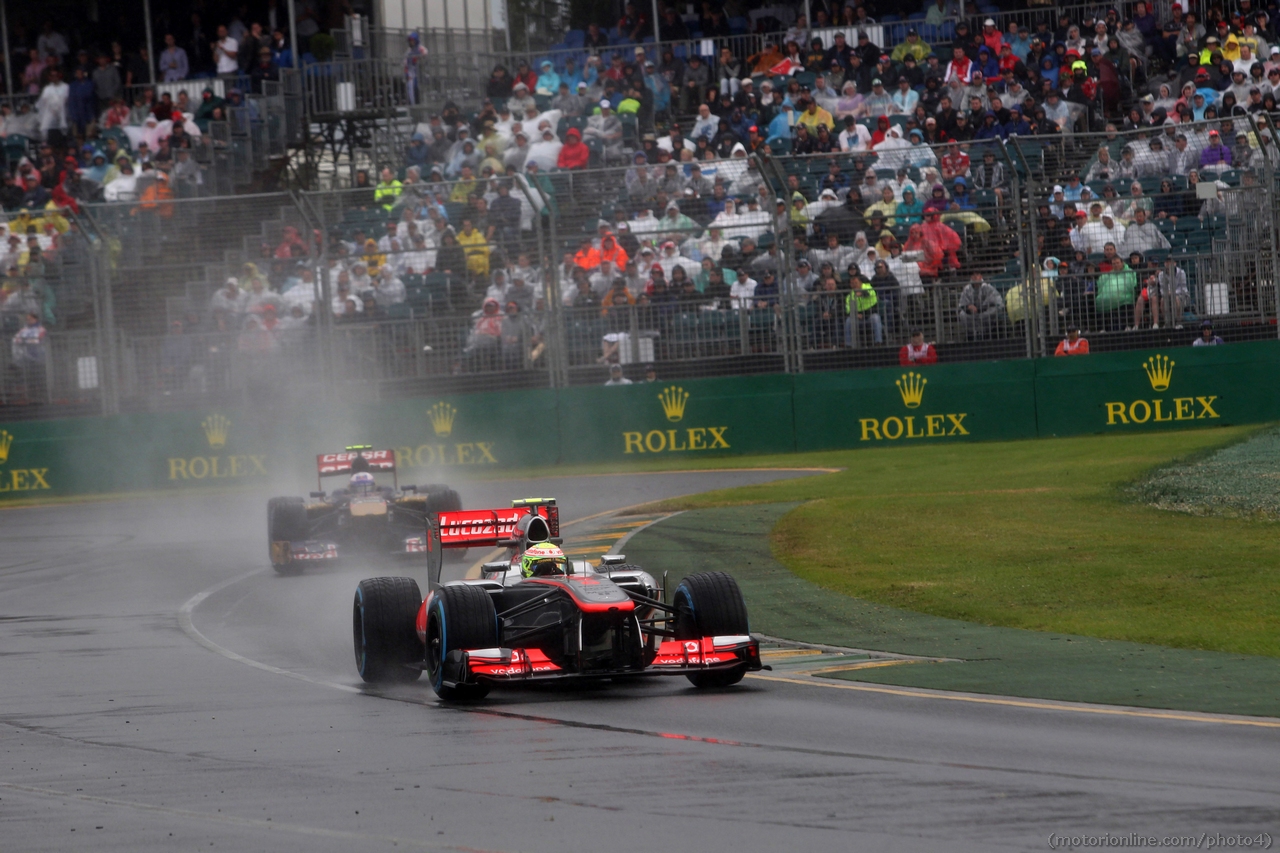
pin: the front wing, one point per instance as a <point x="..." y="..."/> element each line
<point x="674" y="657"/>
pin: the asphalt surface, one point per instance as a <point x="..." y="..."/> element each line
<point x="161" y="688"/>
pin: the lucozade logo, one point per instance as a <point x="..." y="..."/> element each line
<point x="911" y="389"/>
<point x="673" y="400"/>
<point x="1159" y="371"/>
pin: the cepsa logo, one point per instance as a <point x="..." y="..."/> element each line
<point x="673" y="400"/>
<point x="1159" y="370"/>
<point x="19" y="479"/>
<point x="911" y="388"/>
<point x="442" y="417"/>
<point x="217" y="466"/>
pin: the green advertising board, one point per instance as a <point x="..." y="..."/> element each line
<point x="891" y="406"/>
<point x="774" y="413"/>
<point x="1170" y="388"/>
<point x="734" y="415"/>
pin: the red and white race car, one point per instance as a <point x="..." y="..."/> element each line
<point x="563" y="620"/>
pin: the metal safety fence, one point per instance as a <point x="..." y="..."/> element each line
<point x="527" y="277"/>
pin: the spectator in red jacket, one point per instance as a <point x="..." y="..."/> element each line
<point x="917" y="352"/>
<point x="574" y="154"/>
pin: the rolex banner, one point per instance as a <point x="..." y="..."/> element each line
<point x="921" y="405"/>
<point x="435" y="438"/>
<point x="690" y="418"/>
<point x="1170" y="388"/>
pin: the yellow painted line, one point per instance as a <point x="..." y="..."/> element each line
<point x="1189" y="717"/>
<point x="869" y="664"/>
<point x="790" y="652"/>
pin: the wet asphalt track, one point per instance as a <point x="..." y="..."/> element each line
<point x="119" y="731"/>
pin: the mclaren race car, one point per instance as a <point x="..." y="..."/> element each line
<point x="537" y="616"/>
<point x="363" y="518"/>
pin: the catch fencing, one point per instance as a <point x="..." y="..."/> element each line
<point x="142" y="318"/>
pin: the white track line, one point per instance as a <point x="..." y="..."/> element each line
<point x="189" y="628"/>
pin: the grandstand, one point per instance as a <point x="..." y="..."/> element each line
<point x="332" y="289"/>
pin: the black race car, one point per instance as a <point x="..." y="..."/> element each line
<point x="529" y="619"/>
<point x="364" y="518"/>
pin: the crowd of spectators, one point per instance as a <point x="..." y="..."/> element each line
<point x="86" y="125"/>
<point x="32" y="246"/>
<point x="1165" y="97"/>
<point x="912" y="122"/>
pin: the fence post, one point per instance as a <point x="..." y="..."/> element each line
<point x="557" y="349"/>
<point x="788" y="298"/>
<point x="1027" y="193"/>
<point x="1273" y="207"/>
<point x="104" y="318"/>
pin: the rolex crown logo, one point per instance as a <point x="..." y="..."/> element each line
<point x="1159" y="371"/>
<point x="911" y="387"/>
<point x="673" y="400"/>
<point x="442" y="415"/>
<point x="215" y="429"/>
<point x="6" y="441"/>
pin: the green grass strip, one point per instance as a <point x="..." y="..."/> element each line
<point x="1004" y="661"/>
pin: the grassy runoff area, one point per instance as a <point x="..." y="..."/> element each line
<point x="952" y="551"/>
<point x="1038" y="534"/>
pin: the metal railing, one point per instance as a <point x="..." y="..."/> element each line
<point x="131" y="271"/>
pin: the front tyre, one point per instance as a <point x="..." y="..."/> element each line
<point x="286" y="524"/>
<point x="710" y="604"/>
<point x="461" y="617"/>
<point x="383" y="626"/>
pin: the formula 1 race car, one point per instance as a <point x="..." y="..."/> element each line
<point x="363" y="518"/>
<point x="537" y="616"/>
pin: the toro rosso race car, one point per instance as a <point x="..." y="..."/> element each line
<point x="537" y="616"/>
<point x="364" y="518"/>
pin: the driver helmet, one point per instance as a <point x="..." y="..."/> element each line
<point x="362" y="484"/>
<point x="543" y="559"/>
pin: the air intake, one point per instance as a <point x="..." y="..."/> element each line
<point x="537" y="531"/>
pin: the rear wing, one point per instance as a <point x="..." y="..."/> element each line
<point x="495" y="527"/>
<point x="332" y="464"/>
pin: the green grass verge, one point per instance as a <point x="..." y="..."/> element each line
<point x="1004" y="661"/>
<point x="1032" y="534"/>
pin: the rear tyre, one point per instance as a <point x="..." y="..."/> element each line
<point x="440" y="499"/>
<point x="460" y="617"/>
<point x="384" y="628"/>
<point x="286" y="522"/>
<point x="710" y="604"/>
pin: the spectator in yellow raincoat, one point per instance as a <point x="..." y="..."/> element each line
<point x="476" y="248"/>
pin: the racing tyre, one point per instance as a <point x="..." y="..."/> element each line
<point x="286" y="522"/>
<point x="444" y="499"/>
<point x="440" y="499"/>
<point x="384" y="627"/>
<point x="461" y="617"/>
<point x="710" y="604"/>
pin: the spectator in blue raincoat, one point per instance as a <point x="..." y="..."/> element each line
<point x="658" y="85"/>
<point x="991" y="128"/>
<point x="1017" y="125"/>
<point x="548" y="80"/>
